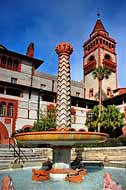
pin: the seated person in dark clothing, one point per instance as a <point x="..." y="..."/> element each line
<point x="47" y="165"/>
<point x="77" y="163"/>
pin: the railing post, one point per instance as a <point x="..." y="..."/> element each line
<point x="14" y="149"/>
<point x="19" y="155"/>
<point x="9" y="143"/>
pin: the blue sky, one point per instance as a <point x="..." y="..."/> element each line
<point x="48" y="22"/>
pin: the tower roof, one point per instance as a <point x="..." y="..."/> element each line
<point x="99" y="27"/>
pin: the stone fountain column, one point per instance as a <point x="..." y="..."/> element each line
<point x="61" y="153"/>
<point x="63" y="117"/>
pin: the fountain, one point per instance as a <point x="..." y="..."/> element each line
<point x="62" y="139"/>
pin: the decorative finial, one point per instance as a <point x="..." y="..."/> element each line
<point x="98" y="13"/>
<point x="64" y="47"/>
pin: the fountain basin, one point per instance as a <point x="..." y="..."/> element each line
<point x="61" y="137"/>
<point x="61" y="142"/>
<point x="22" y="179"/>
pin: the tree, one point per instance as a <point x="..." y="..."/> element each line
<point x="92" y="123"/>
<point x="46" y="121"/>
<point x="100" y="73"/>
<point x="111" y="120"/>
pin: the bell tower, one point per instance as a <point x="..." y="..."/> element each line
<point x="99" y="50"/>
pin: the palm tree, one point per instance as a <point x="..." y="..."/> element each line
<point x="111" y="120"/>
<point x="100" y="73"/>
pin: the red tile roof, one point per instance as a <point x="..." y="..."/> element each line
<point x="99" y="27"/>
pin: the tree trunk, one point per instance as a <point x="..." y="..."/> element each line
<point x="100" y="93"/>
<point x="100" y="102"/>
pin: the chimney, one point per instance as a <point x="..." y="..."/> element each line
<point x="30" y="50"/>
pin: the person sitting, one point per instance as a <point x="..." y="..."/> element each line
<point x="47" y="165"/>
<point x="77" y="163"/>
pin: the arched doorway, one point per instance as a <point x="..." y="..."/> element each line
<point x="4" y="136"/>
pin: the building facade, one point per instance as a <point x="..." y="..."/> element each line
<point x="25" y="92"/>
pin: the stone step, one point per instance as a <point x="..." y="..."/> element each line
<point x="11" y="150"/>
<point x="30" y="156"/>
<point x="5" y="161"/>
<point x="12" y="154"/>
<point x="29" y="160"/>
<point x="25" y="158"/>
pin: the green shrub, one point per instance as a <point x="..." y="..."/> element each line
<point x="46" y="122"/>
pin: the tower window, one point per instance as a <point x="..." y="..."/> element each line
<point x="106" y="43"/>
<point x="103" y="41"/>
<point x="96" y="41"/>
<point x="107" y="56"/>
<point x="113" y="46"/>
<point x="88" y="47"/>
<point x="93" y="43"/>
<point x="108" y="91"/>
<point x="91" y="58"/>
<point x="91" y="93"/>
<point x="100" y="41"/>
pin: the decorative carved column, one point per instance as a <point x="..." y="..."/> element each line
<point x="63" y="117"/>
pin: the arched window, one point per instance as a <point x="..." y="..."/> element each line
<point x="103" y="41"/>
<point x="107" y="43"/>
<point x="2" y="109"/>
<point x="3" y="61"/>
<point x="88" y="47"/>
<point x="9" y="63"/>
<point x="107" y="56"/>
<point x="108" y="91"/>
<point x="10" y="110"/>
<point x="91" y="58"/>
<point x="93" y="43"/>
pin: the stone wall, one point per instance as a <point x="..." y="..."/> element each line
<point x="95" y="154"/>
<point x="92" y="154"/>
<point x="50" y="82"/>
